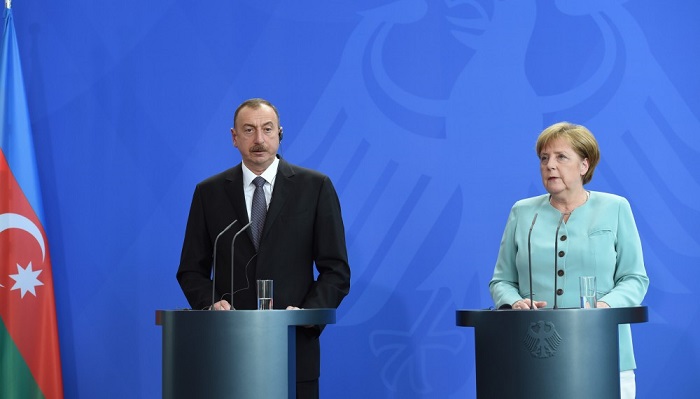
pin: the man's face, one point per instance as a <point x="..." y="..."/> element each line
<point x="256" y="135"/>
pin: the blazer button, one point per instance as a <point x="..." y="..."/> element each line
<point x="561" y="254"/>
<point x="563" y="237"/>
<point x="560" y="272"/>
<point x="560" y="291"/>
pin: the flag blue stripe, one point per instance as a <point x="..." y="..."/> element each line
<point x="15" y="127"/>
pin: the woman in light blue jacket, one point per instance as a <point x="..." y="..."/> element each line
<point x="597" y="237"/>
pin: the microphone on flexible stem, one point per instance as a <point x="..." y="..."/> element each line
<point x="213" y="283"/>
<point x="529" y="261"/>
<point x="556" y="257"/>
<point x="232" y="258"/>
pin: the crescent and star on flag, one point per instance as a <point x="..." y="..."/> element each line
<point x="26" y="279"/>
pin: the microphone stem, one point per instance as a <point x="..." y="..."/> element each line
<point x="213" y="282"/>
<point x="233" y="241"/>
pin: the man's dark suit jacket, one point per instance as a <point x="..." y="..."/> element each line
<point x="303" y="226"/>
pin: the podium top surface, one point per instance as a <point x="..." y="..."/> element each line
<point x="297" y="317"/>
<point x="635" y="314"/>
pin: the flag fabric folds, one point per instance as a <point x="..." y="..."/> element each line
<point x="30" y="363"/>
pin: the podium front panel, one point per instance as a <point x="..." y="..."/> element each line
<point x="548" y="353"/>
<point x="233" y="354"/>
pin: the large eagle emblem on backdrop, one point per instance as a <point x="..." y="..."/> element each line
<point x="410" y="134"/>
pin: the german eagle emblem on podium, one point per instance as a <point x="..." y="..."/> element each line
<point x="542" y="339"/>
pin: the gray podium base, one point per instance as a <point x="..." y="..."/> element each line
<point x="548" y="353"/>
<point x="233" y="354"/>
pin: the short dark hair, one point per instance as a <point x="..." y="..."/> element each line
<point x="255" y="103"/>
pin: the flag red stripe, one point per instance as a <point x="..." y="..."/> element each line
<point x="30" y="320"/>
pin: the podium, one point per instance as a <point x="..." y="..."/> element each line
<point x="548" y="353"/>
<point x="233" y="354"/>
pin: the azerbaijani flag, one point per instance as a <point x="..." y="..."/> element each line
<point x="30" y="363"/>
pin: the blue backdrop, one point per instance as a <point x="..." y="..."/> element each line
<point x="424" y="114"/>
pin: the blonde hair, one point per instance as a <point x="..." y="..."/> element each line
<point x="581" y="140"/>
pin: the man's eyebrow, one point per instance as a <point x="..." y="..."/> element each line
<point x="254" y="125"/>
<point x="263" y="124"/>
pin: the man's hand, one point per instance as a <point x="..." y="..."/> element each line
<point x="221" y="305"/>
<point x="296" y="308"/>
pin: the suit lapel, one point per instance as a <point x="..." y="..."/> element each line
<point x="283" y="187"/>
<point x="234" y="191"/>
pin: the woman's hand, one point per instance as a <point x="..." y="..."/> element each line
<point x="525" y="304"/>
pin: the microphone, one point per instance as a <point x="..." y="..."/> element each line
<point x="213" y="283"/>
<point x="556" y="257"/>
<point x="232" y="258"/>
<point x="529" y="260"/>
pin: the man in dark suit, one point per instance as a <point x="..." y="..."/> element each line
<point x="303" y="226"/>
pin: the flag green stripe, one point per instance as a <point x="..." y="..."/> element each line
<point x="16" y="381"/>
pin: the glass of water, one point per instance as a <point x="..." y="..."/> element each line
<point x="264" y="294"/>
<point x="588" y="292"/>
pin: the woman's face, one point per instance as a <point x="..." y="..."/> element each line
<point x="562" y="168"/>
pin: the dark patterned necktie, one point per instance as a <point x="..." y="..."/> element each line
<point x="258" y="211"/>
